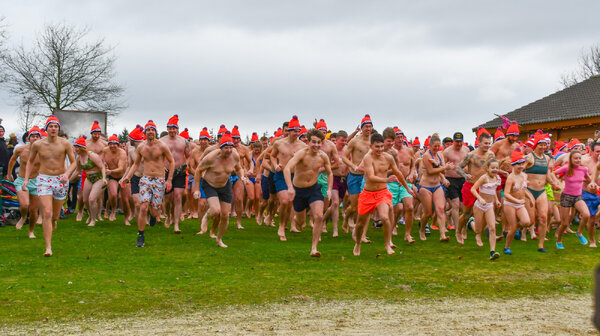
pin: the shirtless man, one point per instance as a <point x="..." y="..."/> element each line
<point x="180" y="151"/>
<point x="283" y="151"/>
<point x="153" y="153"/>
<point x="238" y="188"/>
<point x="471" y="168"/>
<point x="27" y="194"/>
<point x="53" y="178"/>
<point x="375" y="195"/>
<point x="95" y="145"/>
<point x="193" y="163"/>
<point x="455" y="154"/>
<point x="115" y="160"/>
<point x="215" y="170"/>
<point x="406" y="165"/>
<point x="340" y="173"/>
<point x="305" y="191"/>
<point x="589" y="194"/>
<point x="355" y="151"/>
<point x="136" y="137"/>
<point x="329" y="148"/>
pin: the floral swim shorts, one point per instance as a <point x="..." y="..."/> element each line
<point x="152" y="190"/>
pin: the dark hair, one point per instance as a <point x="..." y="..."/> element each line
<point x="389" y="133"/>
<point x="332" y="136"/>
<point x="490" y="161"/>
<point x="376" y="138"/>
<point x="163" y="134"/>
<point x="316" y="133"/>
<point x="285" y="124"/>
<point x="257" y="144"/>
<point x="484" y="136"/>
<point x="342" y="134"/>
<point x="264" y="138"/>
<point x="573" y="152"/>
<point x="594" y="145"/>
<point x="434" y="137"/>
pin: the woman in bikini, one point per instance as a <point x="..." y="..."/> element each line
<point x="93" y="166"/>
<point x="431" y="192"/>
<point x="515" y="197"/>
<point x="484" y="191"/>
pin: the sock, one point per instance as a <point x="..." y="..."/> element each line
<point x="141" y="233"/>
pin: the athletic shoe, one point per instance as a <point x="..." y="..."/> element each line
<point x="401" y="221"/>
<point x="140" y="241"/>
<point x="433" y="226"/>
<point x="543" y="250"/>
<point x="152" y="220"/>
<point x="450" y="227"/>
<point x="377" y="224"/>
<point x="582" y="239"/>
<point x="427" y="231"/>
<point x="560" y="246"/>
<point x="494" y="255"/>
<point x="470" y="222"/>
<point x="518" y="235"/>
<point x="507" y="251"/>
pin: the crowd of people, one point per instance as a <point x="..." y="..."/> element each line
<point x="303" y="177"/>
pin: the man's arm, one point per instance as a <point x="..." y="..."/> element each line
<point x="396" y="171"/>
<point x="370" y="171"/>
<point x="72" y="160"/>
<point x="287" y="170"/>
<point x="347" y="157"/>
<point x="169" y="157"/>
<point x="273" y="158"/>
<point x="329" y="172"/>
<point x="133" y="168"/>
<point x="121" y="163"/>
<point x="351" y="136"/>
<point x="465" y="163"/>
<point x="335" y="158"/>
<point x="11" y="163"/>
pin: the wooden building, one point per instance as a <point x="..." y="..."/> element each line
<point x="570" y="113"/>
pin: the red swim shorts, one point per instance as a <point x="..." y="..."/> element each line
<point x="369" y="200"/>
<point x="467" y="197"/>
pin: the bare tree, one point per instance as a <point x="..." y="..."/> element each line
<point x="589" y="66"/>
<point x="64" y="71"/>
<point x="3" y="38"/>
<point x="29" y="114"/>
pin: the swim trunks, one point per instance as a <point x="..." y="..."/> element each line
<point x="305" y="196"/>
<point x="225" y="193"/>
<point x="467" y="197"/>
<point x="51" y="185"/>
<point x="369" y="200"/>
<point x="355" y="182"/>
<point x="152" y="190"/>
<point x="31" y="185"/>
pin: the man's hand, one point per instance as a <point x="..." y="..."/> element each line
<point x="64" y="178"/>
<point x="197" y="194"/>
<point x="168" y="186"/>
<point x="392" y="178"/>
<point x="10" y="177"/>
<point x="123" y="181"/>
<point x="291" y="192"/>
<point x="328" y="193"/>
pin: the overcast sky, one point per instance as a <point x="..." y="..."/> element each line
<point x="424" y="66"/>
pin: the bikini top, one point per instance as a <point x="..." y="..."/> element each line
<point x="88" y="165"/>
<point x="540" y="165"/>
<point x="490" y="187"/>
<point x="436" y="165"/>
<point x="523" y="185"/>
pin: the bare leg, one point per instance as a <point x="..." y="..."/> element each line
<point x="177" y="207"/>
<point x="359" y="232"/>
<point x="425" y="197"/>
<point x="408" y="204"/>
<point x="334" y="210"/>
<point x="490" y="218"/>
<point x="224" y="220"/>
<point x="284" y="213"/>
<point x="479" y="224"/>
<point x="316" y="210"/>
<point x="383" y="209"/>
<point x="23" y="197"/>
<point x="34" y="204"/>
<point x="439" y="201"/>
<point x="97" y="191"/>
<point x="238" y="201"/>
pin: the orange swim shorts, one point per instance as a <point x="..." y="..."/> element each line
<point x="369" y="200"/>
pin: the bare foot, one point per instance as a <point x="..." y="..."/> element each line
<point x="259" y="220"/>
<point x="39" y="220"/>
<point x="315" y="254"/>
<point x="31" y="235"/>
<point x="356" y="251"/>
<point x="394" y="231"/>
<point x="444" y="239"/>
<point x="345" y="227"/>
<point x="499" y="238"/>
<point x="127" y="223"/>
<point x="422" y="235"/>
<point x="220" y="244"/>
<point x="48" y="253"/>
<point x="393" y="246"/>
<point x="213" y="235"/>
<point x="335" y="235"/>
<point x="282" y="238"/>
<point x="460" y="239"/>
<point x="112" y="217"/>
<point x="409" y="239"/>
<point x="294" y="229"/>
<point x="592" y="244"/>
<point x="20" y="223"/>
<point x="365" y="241"/>
<point x="240" y="227"/>
<point x="92" y="223"/>
<point x="389" y="250"/>
<point x="478" y="241"/>
<point x="177" y="231"/>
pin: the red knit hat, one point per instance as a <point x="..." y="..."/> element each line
<point x="480" y="131"/>
<point x="321" y="125"/>
<point x="574" y="142"/>
<point x="416" y="142"/>
<point x="150" y="124"/>
<point x="278" y="133"/>
<point x="560" y="145"/>
<point x="426" y="143"/>
<point x="303" y="130"/>
<point x="173" y="121"/>
<point x="366" y="120"/>
<point x="398" y="131"/>
<point x="34" y="130"/>
<point x="294" y="124"/>
<point x="540" y="137"/>
<point x="95" y="127"/>
<point x="517" y="157"/>
<point x="530" y="142"/>
<point x="137" y="134"/>
<point x="254" y="137"/>
<point x="113" y="139"/>
<point x="52" y="119"/>
<point x="222" y="130"/>
<point x="499" y="135"/>
<point x="226" y="140"/>
<point x="43" y="133"/>
<point x="513" y="129"/>
<point x="185" y="134"/>
<point x="204" y="134"/>
<point x="81" y="142"/>
<point x="235" y="132"/>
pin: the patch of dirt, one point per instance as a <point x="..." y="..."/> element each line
<point x="557" y="315"/>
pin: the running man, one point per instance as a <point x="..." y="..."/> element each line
<point x="152" y="153"/>
<point x="26" y="194"/>
<point x="193" y="162"/>
<point x="305" y="191"/>
<point x="53" y="178"/>
<point x="115" y="159"/>
<point x="215" y="170"/>
<point x="406" y="164"/>
<point x="455" y="154"/>
<point x="136" y="137"/>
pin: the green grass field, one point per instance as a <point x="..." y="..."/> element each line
<point x="98" y="272"/>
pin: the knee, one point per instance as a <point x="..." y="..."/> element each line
<point x="318" y="217"/>
<point x="224" y="213"/>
